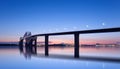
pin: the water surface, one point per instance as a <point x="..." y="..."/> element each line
<point x="11" y="58"/>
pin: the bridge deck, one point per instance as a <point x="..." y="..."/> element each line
<point x="83" y="32"/>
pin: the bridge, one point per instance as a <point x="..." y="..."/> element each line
<point x="31" y="40"/>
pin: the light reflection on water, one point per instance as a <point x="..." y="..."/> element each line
<point x="11" y="58"/>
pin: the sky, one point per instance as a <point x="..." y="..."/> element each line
<point x="49" y="16"/>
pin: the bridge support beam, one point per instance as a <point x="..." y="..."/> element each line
<point x="46" y="45"/>
<point x="35" y="46"/>
<point x="76" y="44"/>
<point x="21" y="42"/>
<point x="21" y="45"/>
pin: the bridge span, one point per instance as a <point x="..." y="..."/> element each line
<point x="31" y="40"/>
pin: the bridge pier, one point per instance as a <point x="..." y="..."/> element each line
<point x="31" y="44"/>
<point x="21" y="44"/>
<point x="35" y="46"/>
<point x="46" y="45"/>
<point x="76" y="44"/>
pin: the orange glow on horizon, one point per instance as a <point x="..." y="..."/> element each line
<point x="55" y="41"/>
<point x="9" y="40"/>
<point x="70" y="41"/>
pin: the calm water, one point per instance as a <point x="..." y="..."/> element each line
<point x="11" y="58"/>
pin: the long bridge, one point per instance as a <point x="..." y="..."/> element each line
<point x="31" y="40"/>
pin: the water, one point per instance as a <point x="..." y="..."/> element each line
<point x="11" y="58"/>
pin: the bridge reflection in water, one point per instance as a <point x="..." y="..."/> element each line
<point x="29" y="53"/>
<point x="31" y="43"/>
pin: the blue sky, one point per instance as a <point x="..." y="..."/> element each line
<point x="43" y="16"/>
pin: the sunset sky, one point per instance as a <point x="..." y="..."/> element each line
<point x="48" y="16"/>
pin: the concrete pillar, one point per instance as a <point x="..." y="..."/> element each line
<point x="21" y="45"/>
<point x="21" y="42"/>
<point x="76" y="45"/>
<point x="35" y="46"/>
<point x="46" y="45"/>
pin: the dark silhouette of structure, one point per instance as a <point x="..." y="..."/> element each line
<point x="31" y="40"/>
